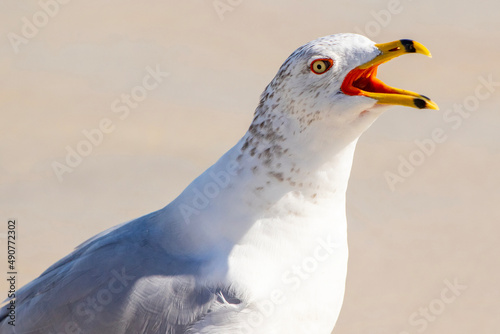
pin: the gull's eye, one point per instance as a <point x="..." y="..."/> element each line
<point x="320" y="66"/>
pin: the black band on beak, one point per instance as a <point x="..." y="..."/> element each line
<point x="408" y="44"/>
<point x="419" y="103"/>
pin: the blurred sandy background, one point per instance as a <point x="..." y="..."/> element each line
<point x="440" y="224"/>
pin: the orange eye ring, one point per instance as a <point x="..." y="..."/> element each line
<point x="320" y="66"/>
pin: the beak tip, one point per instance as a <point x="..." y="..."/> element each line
<point x="432" y="105"/>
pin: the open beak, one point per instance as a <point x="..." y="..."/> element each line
<point x="363" y="81"/>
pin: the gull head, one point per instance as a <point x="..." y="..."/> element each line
<point x="328" y="88"/>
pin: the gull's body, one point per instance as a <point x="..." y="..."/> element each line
<point x="256" y="244"/>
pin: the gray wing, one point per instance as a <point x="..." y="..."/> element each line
<point x="119" y="282"/>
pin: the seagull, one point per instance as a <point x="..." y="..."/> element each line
<point x="255" y="244"/>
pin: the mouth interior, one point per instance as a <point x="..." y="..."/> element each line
<point x="364" y="81"/>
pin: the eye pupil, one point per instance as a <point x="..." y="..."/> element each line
<point x="320" y="66"/>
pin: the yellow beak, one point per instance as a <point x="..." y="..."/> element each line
<point x="363" y="81"/>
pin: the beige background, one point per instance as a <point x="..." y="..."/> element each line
<point x="441" y="223"/>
